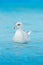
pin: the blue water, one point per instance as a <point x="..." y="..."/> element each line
<point x="30" y="13"/>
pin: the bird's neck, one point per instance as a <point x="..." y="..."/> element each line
<point x="19" y="29"/>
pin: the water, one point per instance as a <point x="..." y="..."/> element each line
<point x="12" y="53"/>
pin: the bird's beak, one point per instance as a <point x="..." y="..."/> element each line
<point x="14" y="27"/>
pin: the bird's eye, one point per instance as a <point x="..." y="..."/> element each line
<point x="18" y="24"/>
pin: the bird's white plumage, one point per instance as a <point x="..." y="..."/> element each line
<point x="20" y="36"/>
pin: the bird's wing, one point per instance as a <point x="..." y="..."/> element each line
<point x="29" y="32"/>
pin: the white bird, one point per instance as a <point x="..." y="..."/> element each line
<point x="20" y="36"/>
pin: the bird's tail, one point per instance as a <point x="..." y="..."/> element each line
<point x="29" y="32"/>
